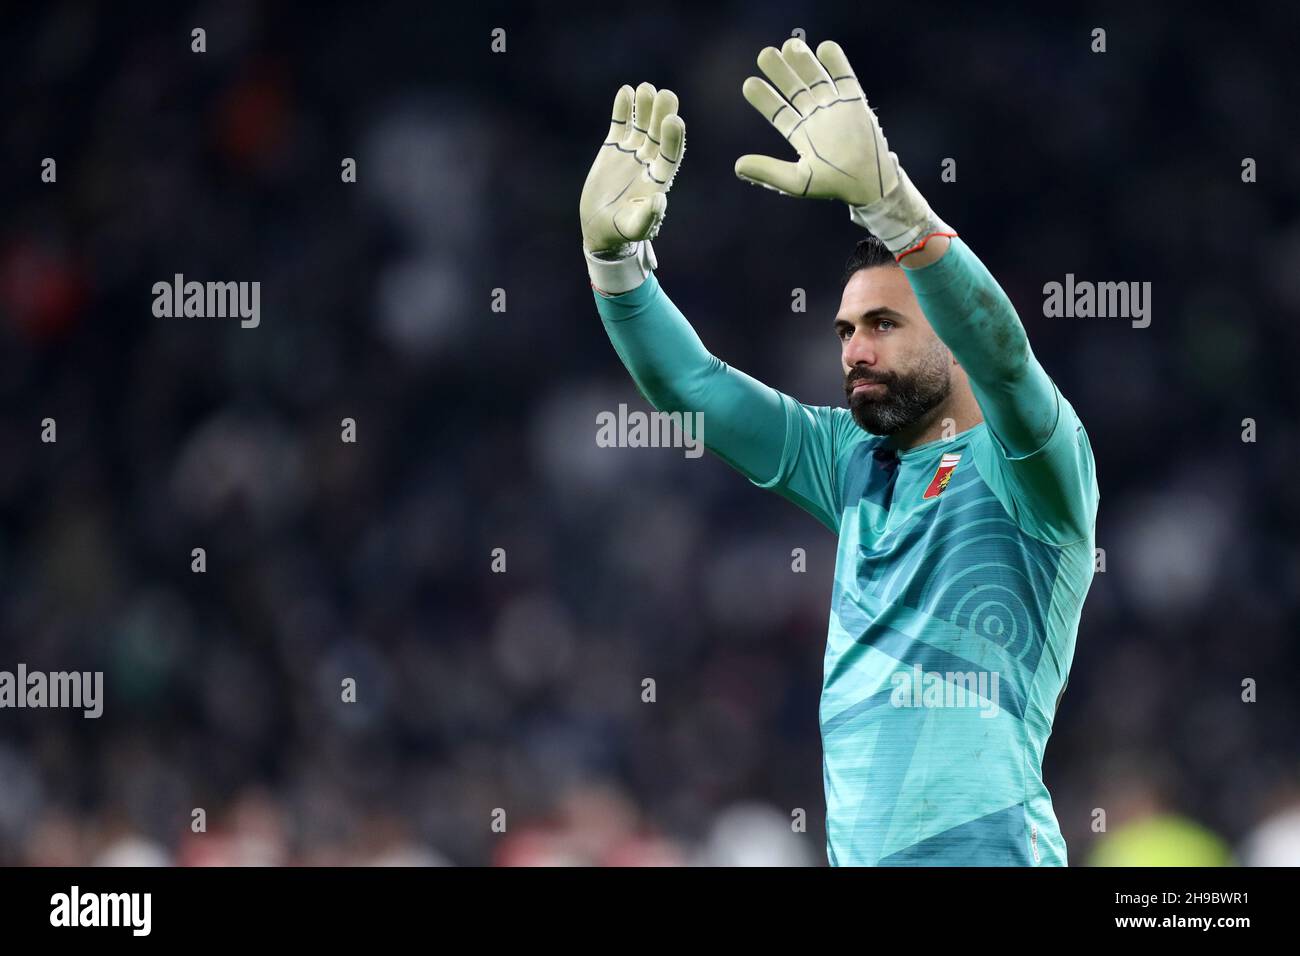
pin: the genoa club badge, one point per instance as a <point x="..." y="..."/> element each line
<point x="941" y="477"/>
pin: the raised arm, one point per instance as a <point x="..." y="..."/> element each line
<point x="973" y="316"/>
<point x="623" y="204"/>
<point x="767" y="436"/>
<point x="816" y="103"/>
<point x="743" y="419"/>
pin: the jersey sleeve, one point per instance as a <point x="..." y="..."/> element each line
<point x="1038" y="455"/>
<point x="770" y="438"/>
<point x="811" y="473"/>
<point x="1051" y="492"/>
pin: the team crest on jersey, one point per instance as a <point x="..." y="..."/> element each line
<point x="942" y="476"/>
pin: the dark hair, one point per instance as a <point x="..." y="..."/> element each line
<point x="868" y="253"/>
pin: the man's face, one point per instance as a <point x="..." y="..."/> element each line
<point x="896" y="371"/>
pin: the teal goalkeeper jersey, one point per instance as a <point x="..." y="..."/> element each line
<point x="959" y="581"/>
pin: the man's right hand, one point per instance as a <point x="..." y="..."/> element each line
<point x="626" y="194"/>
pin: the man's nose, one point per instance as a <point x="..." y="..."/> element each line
<point x="859" y="351"/>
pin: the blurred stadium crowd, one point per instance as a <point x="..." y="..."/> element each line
<point x="521" y="691"/>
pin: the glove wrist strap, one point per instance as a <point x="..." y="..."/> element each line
<point x="901" y="218"/>
<point x="616" y="276"/>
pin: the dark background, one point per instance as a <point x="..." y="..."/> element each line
<point x="476" y="429"/>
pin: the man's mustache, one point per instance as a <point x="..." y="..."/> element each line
<point x="855" y="377"/>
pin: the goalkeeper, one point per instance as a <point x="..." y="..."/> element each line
<point x="959" y="480"/>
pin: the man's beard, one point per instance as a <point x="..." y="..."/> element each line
<point x="906" y="399"/>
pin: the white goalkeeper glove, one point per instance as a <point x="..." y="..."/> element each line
<point x="625" y="197"/>
<point x="843" y="153"/>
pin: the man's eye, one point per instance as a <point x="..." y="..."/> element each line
<point x="845" y="333"/>
<point x="884" y="324"/>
